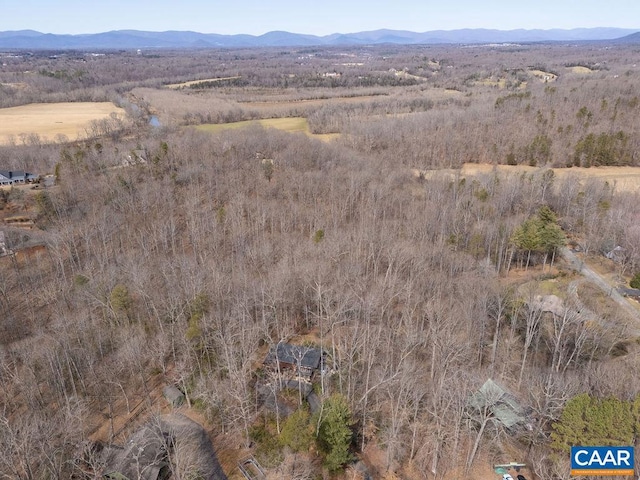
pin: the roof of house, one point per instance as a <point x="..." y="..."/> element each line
<point x="503" y="405"/>
<point x="16" y="174"/>
<point x="629" y="292"/>
<point x="173" y="395"/>
<point x="308" y="357"/>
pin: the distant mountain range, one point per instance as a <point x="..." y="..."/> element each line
<point x="125" y="39"/>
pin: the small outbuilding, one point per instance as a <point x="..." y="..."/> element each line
<point x="173" y="395"/>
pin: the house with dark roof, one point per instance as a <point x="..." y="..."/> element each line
<point x="13" y="177"/>
<point x="629" y="292"/>
<point x="303" y="360"/>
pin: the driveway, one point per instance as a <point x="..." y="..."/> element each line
<point x="579" y="266"/>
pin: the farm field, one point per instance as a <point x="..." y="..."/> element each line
<point x="270" y="102"/>
<point x="581" y="70"/>
<point x="292" y="125"/>
<point x="210" y="106"/>
<point x="176" y="86"/>
<point x="435" y="95"/>
<point x="50" y="119"/>
<point x="623" y="179"/>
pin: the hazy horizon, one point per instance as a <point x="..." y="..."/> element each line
<point x="315" y="18"/>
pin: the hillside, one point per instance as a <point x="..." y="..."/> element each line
<point x="634" y="38"/>
<point x="339" y="261"/>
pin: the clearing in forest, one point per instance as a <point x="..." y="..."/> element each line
<point x="274" y="101"/>
<point x="625" y="179"/>
<point x="191" y="83"/>
<point x="544" y="76"/>
<point x="581" y="69"/>
<point x="499" y="82"/>
<point x="622" y="179"/>
<point x="291" y="124"/>
<point x="271" y="101"/>
<point x="47" y="120"/>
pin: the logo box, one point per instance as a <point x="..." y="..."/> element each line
<point x="602" y="460"/>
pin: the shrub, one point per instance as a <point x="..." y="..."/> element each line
<point x="297" y="431"/>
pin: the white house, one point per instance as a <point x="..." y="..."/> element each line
<point x="12" y="177"/>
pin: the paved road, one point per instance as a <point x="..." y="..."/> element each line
<point x="579" y="266"/>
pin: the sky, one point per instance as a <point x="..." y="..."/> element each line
<point x="317" y="17"/>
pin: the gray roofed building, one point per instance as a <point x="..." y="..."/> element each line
<point x="5" y="178"/>
<point x="173" y="395"/>
<point x="501" y="404"/>
<point x="11" y="177"/>
<point x="306" y="360"/>
<point x="629" y="292"/>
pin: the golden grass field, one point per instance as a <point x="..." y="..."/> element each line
<point x="292" y="124"/>
<point x="500" y="82"/>
<point x="50" y="119"/>
<point x="581" y="70"/>
<point x="196" y="82"/>
<point x="544" y="76"/>
<point x="623" y="179"/>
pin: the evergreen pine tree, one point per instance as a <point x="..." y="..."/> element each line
<point x="334" y="434"/>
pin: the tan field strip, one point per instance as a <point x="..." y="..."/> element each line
<point x="309" y="102"/>
<point x="292" y="125"/>
<point x="544" y="76"/>
<point x="191" y="83"/>
<point x="50" y="119"/>
<point x="623" y="179"/>
<point x="434" y="94"/>
<point x="579" y="69"/>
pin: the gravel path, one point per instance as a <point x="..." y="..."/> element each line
<point x="579" y="266"/>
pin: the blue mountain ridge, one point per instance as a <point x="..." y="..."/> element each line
<point x="124" y="39"/>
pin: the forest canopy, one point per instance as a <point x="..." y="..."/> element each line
<point x="424" y="229"/>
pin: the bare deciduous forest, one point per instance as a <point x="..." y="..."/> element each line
<point x="165" y="255"/>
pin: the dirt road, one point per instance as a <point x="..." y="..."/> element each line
<point x="579" y="266"/>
